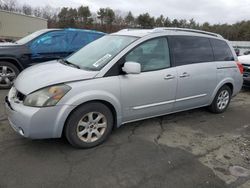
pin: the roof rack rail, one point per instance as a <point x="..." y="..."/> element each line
<point x="129" y="29"/>
<point x="158" y="29"/>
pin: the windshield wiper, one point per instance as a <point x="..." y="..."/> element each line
<point x="64" y="61"/>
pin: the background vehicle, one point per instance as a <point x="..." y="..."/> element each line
<point x="245" y="60"/>
<point x="247" y="52"/>
<point x="41" y="46"/>
<point x="124" y="77"/>
<point x="5" y="40"/>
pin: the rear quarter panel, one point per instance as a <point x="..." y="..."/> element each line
<point x="228" y="72"/>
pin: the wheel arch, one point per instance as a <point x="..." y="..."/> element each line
<point x="105" y="102"/>
<point x="13" y="61"/>
<point x="228" y="82"/>
<point x="230" y="85"/>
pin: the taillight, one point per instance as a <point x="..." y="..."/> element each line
<point x="240" y="66"/>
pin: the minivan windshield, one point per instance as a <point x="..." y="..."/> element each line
<point x="97" y="54"/>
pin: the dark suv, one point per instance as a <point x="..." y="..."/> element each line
<point x="40" y="46"/>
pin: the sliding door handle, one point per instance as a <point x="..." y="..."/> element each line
<point x="184" y="75"/>
<point x="169" y="77"/>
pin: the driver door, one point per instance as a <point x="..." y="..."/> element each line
<point x="153" y="91"/>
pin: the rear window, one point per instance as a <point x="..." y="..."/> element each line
<point x="189" y="49"/>
<point x="222" y="52"/>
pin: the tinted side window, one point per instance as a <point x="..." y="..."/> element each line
<point x="50" y="42"/>
<point x="152" y="55"/>
<point x="222" y="52"/>
<point x="93" y="36"/>
<point x="188" y="49"/>
<point x="80" y="39"/>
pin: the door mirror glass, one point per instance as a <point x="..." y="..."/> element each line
<point x="132" y="68"/>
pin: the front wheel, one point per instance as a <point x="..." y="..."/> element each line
<point x="221" y="100"/>
<point x="89" y="125"/>
<point x="8" y="73"/>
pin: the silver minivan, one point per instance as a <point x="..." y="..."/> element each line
<point x="123" y="77"/>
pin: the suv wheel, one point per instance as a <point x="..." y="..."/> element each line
<point x="89" y="125"/>
<point x="8" y="73"/>
<point x="221" y="100"/>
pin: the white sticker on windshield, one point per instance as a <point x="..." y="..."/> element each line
<point x="101" y="60"/>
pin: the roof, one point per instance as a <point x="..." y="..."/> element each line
<point x="73" y="29"/>
<point x="134" y="32"/>
<point x="84" y="30"/>
<point x="166" y="30"/>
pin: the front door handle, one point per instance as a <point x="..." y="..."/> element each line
<point x="169" y="77"/>
<point x="184" y="75"/>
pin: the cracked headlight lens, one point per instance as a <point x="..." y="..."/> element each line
<point x="48" y="96"/>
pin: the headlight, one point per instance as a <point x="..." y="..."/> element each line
<point x="48" y="96"/>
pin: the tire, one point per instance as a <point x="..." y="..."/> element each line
<point x="221" y="100"/>
<point x="8" y="73"/>
<point x="79" y="126"/>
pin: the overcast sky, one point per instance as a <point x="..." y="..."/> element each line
<point x="213" y="11"/>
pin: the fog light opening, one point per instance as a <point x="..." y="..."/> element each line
<point x="20" y="131"/>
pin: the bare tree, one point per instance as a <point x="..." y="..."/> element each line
<point x="37" y="12"/>
<point x="27" y="9"/>
<point x="9" y="5"/>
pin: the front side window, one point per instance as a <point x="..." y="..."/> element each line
<point x="222" y="52"/>
<point x="97" y="54"/>
<point x="152" y="55"/>
<point x="50" y="42"/>
<point x="189" y="49"/>
<point x="30" y="37"/>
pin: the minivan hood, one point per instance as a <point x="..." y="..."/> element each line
<point x="49" y="73"/>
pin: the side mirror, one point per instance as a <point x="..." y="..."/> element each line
<point x="132" y="68"/>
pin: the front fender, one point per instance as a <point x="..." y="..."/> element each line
<point x="13" y="60"/>
<point x="87" y="96"/>
<point x="95" y="95"/>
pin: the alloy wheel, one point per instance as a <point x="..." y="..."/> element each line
<point x="223" y="99"/>
<point x="91" y="127"/>
<point x="7" y="76"/>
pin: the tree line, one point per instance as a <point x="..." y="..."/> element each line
<point x="109" y="20"/>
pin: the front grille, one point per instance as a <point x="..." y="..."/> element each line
<point x="20" y="96"/>
<point x="246" y="70"/>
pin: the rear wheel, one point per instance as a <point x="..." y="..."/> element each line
<point x="221" y="100"/>
<point x="8" y="73"/>
<point x="89" y="125"/>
